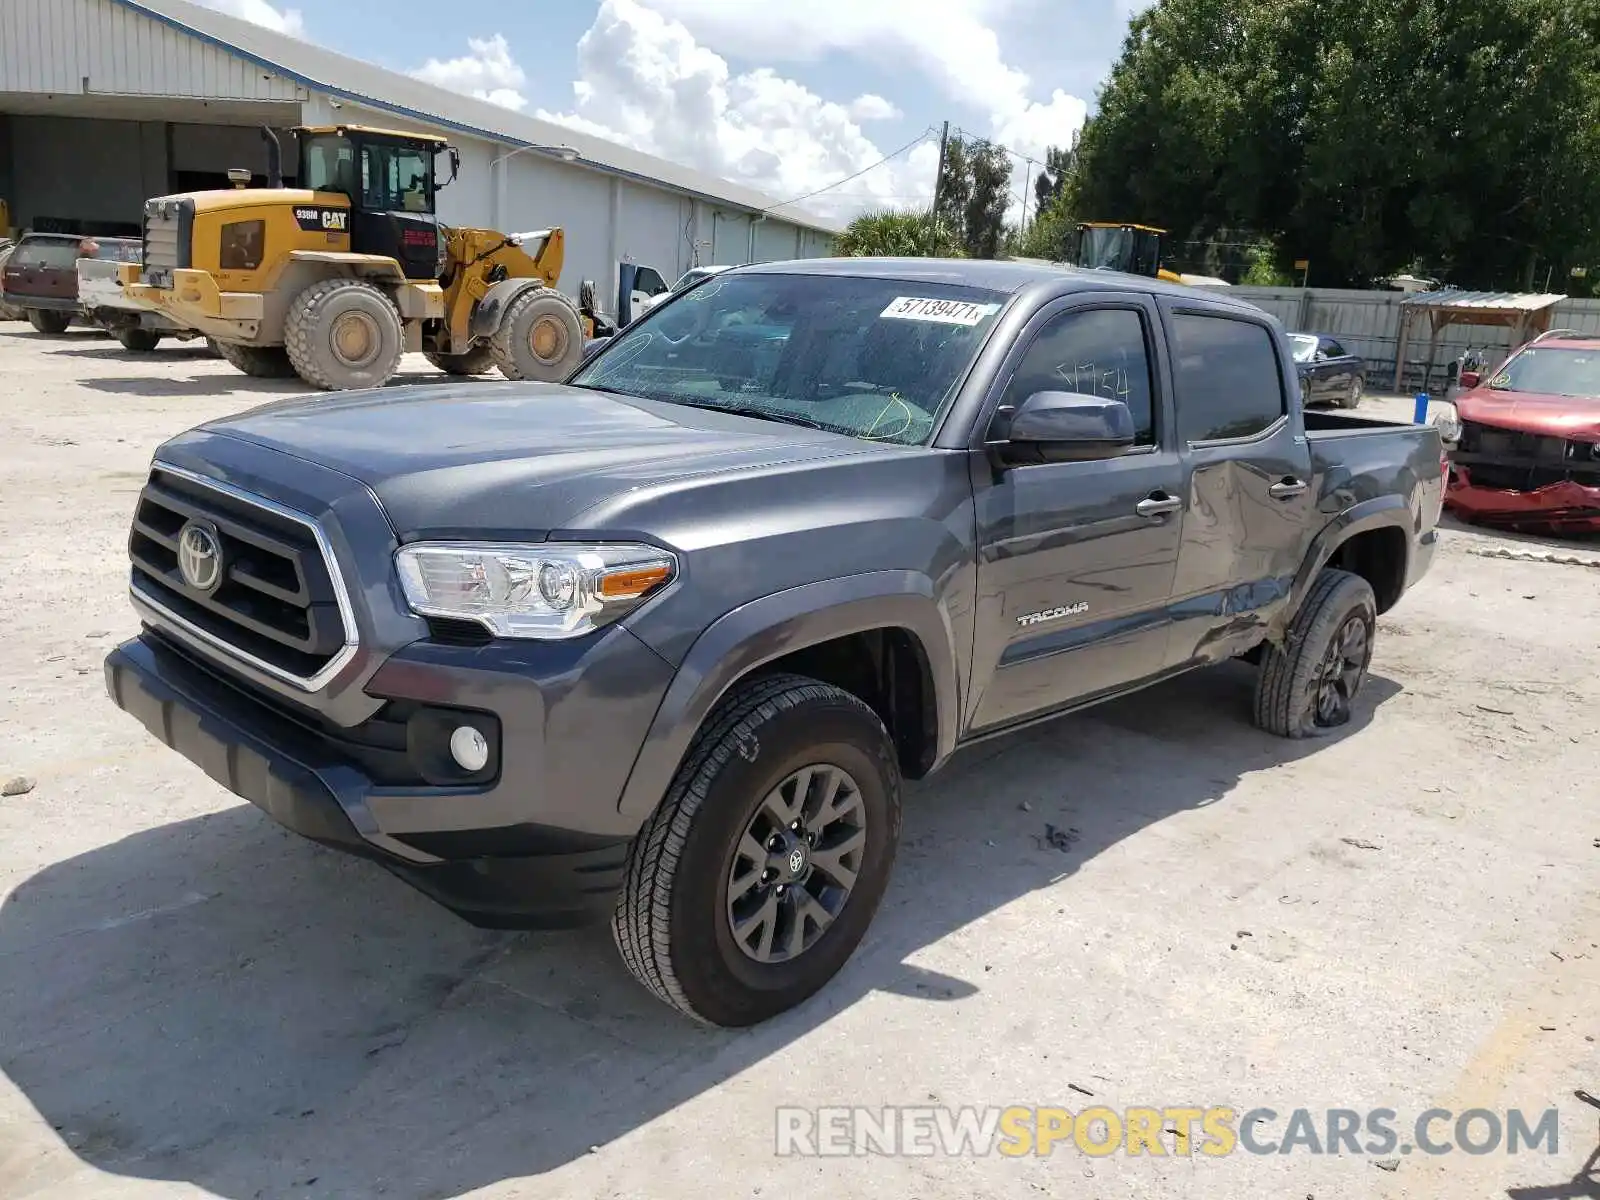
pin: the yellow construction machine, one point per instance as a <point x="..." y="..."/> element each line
<point x="333" y="280"/>
<point x="1121" y="246"/>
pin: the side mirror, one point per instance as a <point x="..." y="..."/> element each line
<point x="1470" y="379"/>
<point x="1066" y="427"/>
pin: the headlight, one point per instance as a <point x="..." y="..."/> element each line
<point x="556" y="590"/>
<point x="1448" y="421"/>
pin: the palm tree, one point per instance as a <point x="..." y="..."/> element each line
<point x="903" y="234"/>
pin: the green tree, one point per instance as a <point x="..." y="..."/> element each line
<point x="1361" y="134"/>
<point x="990" y="197"/>
<point x="896" y="234"/>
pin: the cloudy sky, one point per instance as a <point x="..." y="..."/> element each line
<point x="788" y="99"/>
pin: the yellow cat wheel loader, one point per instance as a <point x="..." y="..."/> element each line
<point x="333" y="280"/>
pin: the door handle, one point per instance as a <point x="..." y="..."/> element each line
<point x="1287" y="489"/>
<point x="1158" y="505"/>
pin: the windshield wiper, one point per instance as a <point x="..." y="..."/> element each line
<point x="763" y="414"/>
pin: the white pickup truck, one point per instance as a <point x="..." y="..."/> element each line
<point x="103" y="302"/>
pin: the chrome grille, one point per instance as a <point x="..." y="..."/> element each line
<point x="279" y="606"/>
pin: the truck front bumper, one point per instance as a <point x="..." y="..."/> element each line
<point x="450" y="842"/>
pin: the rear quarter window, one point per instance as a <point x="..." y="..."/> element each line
<point x="1227" y="378"/>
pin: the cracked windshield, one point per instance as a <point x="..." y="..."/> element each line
<point x="877" y="359"/>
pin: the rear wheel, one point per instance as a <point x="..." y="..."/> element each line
<point x="48" y="322"/>
<point x="260" y="362"/>
<point x="477" y="361"/>
<point x="343" y="333"/>
<point x="756" y="879"/>
<point x="1307" y="686"/>
<point x="138" y="340"/>
<point x="1357" y="389"/>
<point x="540" y="337"/>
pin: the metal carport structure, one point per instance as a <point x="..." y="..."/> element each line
<point x="1526" y="314"/>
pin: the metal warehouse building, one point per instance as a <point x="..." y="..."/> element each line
<point x="104" y="103"/>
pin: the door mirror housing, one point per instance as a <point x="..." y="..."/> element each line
<point x="1470" y="379"/>
<point x="1066" y="427"/>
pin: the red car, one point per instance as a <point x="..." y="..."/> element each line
<point x="1524" y="441"/>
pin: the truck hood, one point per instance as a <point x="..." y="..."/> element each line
<point x="1531" y="412"/>
<point x="493" y="459"/>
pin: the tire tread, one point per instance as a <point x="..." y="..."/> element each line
<point x="641" y="922"/>
<point x="1285" y="668"/>
<point x="303" y="350"/>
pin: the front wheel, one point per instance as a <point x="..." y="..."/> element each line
<point x="46" y="321"/>
<point x="1307" y="686"/>
<point x="140" y="341"/>
<point x="540" y="337"/>
<point x="756" y="879"/>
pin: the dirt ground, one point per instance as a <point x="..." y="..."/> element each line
<point x="1407" y="916"/>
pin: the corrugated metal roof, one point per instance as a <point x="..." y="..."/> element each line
<point x="361" y="82"/>
<point x="1506" y="301"/>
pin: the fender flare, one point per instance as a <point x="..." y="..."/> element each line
<point x="1380" y="512"/>
<point x="773" y="626"/>
<point x="491" y="309"/>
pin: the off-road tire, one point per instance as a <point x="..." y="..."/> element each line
<point x="212" y="348"/>
<point x="1289" y="673"/>
<point x="513" y="350"/>
<point x="308" y="335"/>
<point x="140" y="341"/>
<point x="47" y="321"/>
<point x="259" y="362"/>
<point x="670" y="922"/>
<point x="477" y="361"/>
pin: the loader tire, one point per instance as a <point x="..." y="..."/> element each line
<point x="140" y="341"/>
<point x="259" y="362"/>
<point x="343" y="333"/>
<point x="540" y="338"/>
<point x="477" y="361"/>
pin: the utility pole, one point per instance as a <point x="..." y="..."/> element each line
<point x="1027" y="187"/>
<point x="938" y="181"/>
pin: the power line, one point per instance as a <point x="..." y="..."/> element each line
<point x="916" y="141"/>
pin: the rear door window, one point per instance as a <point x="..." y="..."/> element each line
<point x="1227" y="376"/>
<point x="1333" y="349"/>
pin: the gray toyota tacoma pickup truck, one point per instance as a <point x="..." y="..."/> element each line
<point x="659" y="645"/>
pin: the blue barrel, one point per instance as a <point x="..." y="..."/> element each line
<point x="1421" y="414"/>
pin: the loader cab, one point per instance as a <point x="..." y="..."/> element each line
<point x="390" y="180"/>
<point x="1113" y="246"/>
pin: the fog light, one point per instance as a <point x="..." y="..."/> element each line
<point x="469" y="748"/>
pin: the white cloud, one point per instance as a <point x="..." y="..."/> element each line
<point x="488" y="72"/>
<point x="953" y="41"/>
<point x="870" y="107"/>
<point x="647" y="82"/>
<point x="282" y="20"/>
<point x="647" y="78"/>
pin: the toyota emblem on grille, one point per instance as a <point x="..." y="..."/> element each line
<point x="200" y="556"/>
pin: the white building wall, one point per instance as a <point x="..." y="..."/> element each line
<point x="53" y="46"/>
<point x="654" y="229"/>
